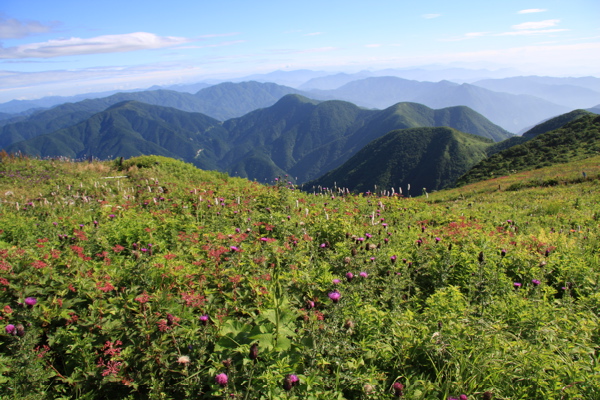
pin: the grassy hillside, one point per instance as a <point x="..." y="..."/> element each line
<point x="431" y="158"/>
<point x="576" y="140"/>
<point x="151" y="279"/>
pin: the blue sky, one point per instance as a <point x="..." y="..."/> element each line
<point x="64" y="47"/>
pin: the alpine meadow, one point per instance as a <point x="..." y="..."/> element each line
<point x="316" y="200"/>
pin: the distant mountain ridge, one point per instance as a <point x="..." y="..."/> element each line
<point x="512" y="112"/>
<point x="569" y="92"/>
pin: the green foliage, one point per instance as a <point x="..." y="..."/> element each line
<point x="152" y="278"/>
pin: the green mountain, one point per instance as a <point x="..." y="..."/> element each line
<point x="231" y="100"/>
<point x="223" y="101"/>
<point x="305" y="138"/>
<point x="554" y="123"/>
<point x="431" y="158"/>
<point x="130" y="129"/>
<point x="576" y="140"/>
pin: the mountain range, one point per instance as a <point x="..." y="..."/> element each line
<point x="515" y="103"/>
<point x="264" y="130"/>
<point x="297" y="136"/>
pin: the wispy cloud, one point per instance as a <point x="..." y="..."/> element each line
<point x="11" y="28"/>
<point x="534" y="28"/>
<point x="532" y="10"/>
<point x="526" y="32"/>
<point x="97" y="45"/>
<point x="430" y="16"/>
<point x="537" y="25"/>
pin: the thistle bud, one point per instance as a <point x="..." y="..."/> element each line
<point x="253" y="351"/>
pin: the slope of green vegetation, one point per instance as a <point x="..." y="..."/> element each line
<point x="555" y="123"/>
<point x="150" y="279"/>
<point x="576" y="140"/>
<point x="426" y="158"/>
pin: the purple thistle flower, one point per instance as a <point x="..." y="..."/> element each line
<point x="535" y="282"/>
<point x="363" y="274"/>
<point x="221" y="379"/>
<point x="349" y="276"/>
<point x="463" y="397"/>
<point x="336" y="281"/>
<point x="10" y="329"/>
<point x="517" y="285"/>
<point x="335" y="296"/>
<point x="398" y="389"/>
<point x="30" y="301"/>
<point x="204" y="319"/>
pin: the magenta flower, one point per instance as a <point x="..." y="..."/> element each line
<point x="517" y="285"/>
<point x="535" y="282"/>
<point x="363" y="274"/>
<point x="336" y="281"/>
<point x="10" y="329"/>
<point x="204" y="319"/>
<point x="349" y="276"/>
<point x="221" y="379"/>
<point x="398" y="389"/>
<point x="335" y="296"/>
<point x="30" y="301"/>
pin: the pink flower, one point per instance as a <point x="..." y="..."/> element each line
<point x="363" y="274"/>
<point x="335" y="296"/>
<point x="221" y="379"/>
<point x="30" y="301"/>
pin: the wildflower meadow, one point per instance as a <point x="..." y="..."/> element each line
<point x="150" y="279"/>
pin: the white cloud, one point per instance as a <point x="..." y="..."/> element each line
<point x="11" y="28"/>
<point x="430" y="16"/>
<point x="97" y="45"/>
<point x="530" y="32"/>
<point x="537" y="25"/>
<point x="532" y="10"/>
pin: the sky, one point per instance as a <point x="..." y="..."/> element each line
<point x="65" y="47"/>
